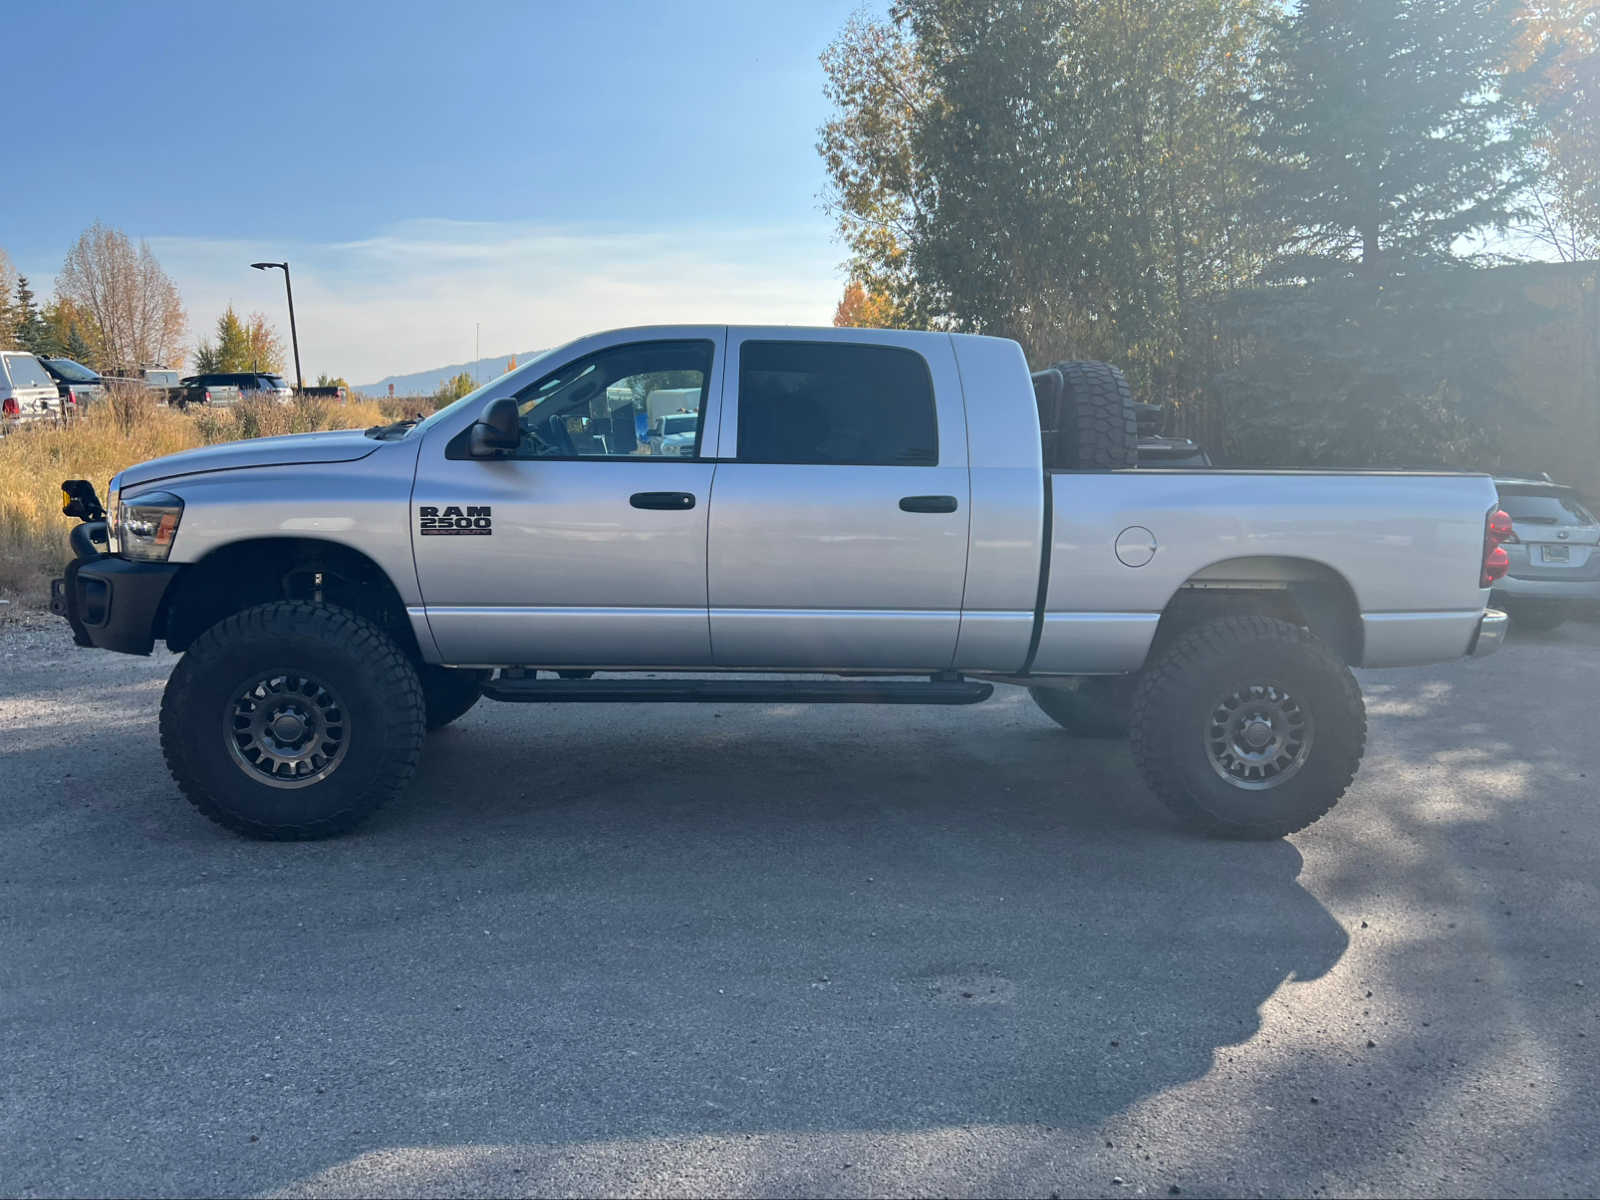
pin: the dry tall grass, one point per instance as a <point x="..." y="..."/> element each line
<point x="126" y="429"/>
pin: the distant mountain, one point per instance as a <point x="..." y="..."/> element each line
<point x="425" y="383"/>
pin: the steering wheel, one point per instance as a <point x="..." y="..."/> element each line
<point x="553" y="438"/>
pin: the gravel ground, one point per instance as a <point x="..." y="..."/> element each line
<point x="781" y="950"/>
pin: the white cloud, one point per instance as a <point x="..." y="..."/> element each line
<point x="406" y="298"/>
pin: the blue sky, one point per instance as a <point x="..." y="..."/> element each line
<point x="540" y="169"/>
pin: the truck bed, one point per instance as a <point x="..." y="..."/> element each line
<point x="1407" y="545"/>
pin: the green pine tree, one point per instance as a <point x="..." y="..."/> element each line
<point x="33" y="333"/>
<point x="230" y="352"/>
<point x="77" y="347"/>
<point x="1387" y="136"/>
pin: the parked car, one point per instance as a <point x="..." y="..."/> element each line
<point x="79" y="386"/>
<point x="27" y="391"/>
<point x="195" y="390"/>
<point x="1157" y="450"/>
<point x="1554" y="550"/>
<point x="250" y="385"/>
<point x="879" y="506"/>
<point x="165" y="380"/>
<point x="1172" y="452"/>
<point x="674" y="434"/>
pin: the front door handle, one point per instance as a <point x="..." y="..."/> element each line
<point x="672" y="501"/>
<point x="928" y="504"/>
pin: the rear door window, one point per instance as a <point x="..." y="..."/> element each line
<point x="838" y="403"/>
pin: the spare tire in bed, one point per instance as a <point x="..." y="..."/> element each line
<point x="1087" y="417"/>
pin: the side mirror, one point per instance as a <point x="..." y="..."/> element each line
<point x="497" y="428"/>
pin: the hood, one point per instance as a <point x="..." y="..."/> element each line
<point x="339" y="445"/>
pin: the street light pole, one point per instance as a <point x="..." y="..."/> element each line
<point x="294" y="336"/>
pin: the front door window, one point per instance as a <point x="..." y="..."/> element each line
<point x="639" y="401"/>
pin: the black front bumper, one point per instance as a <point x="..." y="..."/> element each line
<point x="111" y="603"/>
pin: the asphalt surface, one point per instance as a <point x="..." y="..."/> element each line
<point x="777" y="950"/>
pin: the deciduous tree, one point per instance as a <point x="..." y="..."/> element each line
<point x="73" y="331"/>
<point x="132" y="300"/>
<point x="8" y="331"/>
<point x="264" y="349"/>
<point x="452" y="390"/>
<point x="865" y="310"/>
<point x="1556" y="73"/>
<point x="1069" y="173"/>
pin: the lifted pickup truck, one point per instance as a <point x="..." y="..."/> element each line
<point x="894" y="517"/>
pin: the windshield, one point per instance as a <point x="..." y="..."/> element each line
<point x="476" y="396"/>
<point x="70" y="371"/>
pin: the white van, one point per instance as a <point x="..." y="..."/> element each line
<point x="27" y="392"/>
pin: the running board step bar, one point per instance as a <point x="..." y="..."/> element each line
<point x="734" y="691"/>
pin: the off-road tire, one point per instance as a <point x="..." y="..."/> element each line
<point x="1536" y="616"/>
<point x="1092" y="706"/>
<point x="449" y="692"/>
<point x="382" y="708"/>
<point x="1173" y="707"/>
<point x="1104" y="427"/>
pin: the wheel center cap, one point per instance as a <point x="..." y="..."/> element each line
<point x="288" y="727"/>
<point x="1257" y="734"/>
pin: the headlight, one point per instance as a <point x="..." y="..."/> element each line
<point x="146" y="526"/>
<point x="113" y="517"/>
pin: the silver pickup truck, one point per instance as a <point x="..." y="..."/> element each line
<point x="877" y="517"/>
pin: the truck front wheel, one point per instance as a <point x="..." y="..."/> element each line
<point x="292" y="721"/>
<point x="1248" y="727"/>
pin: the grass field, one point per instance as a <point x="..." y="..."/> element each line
<point x="124" y="430"/>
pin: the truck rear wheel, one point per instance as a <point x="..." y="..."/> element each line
<point x="1090" y="706"/>
<point x="449" y="692"/>
<point x="292" y="721"/>
<point x="1248" y="727"/>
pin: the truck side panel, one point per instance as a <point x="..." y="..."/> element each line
<point x="1007" y="480"/>
<point x="1409" y="547"/>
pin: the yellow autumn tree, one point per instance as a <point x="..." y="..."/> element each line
<point x="863" y="309"/>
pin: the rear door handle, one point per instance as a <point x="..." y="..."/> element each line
<point x="672" y="501"/>
<point x="928" y="504"/>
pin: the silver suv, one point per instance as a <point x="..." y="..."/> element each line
<point x="27" y="391"/>
<point x="1555" y="562"/>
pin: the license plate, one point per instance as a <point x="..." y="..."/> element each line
<point x="1556" y="554"/>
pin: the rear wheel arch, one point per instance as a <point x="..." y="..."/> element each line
<point x="1300" y="591"/>
<point x="254" y="571"/>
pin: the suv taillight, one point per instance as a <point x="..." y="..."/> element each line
<point x="208" y="396"/>
<point x="1496" y="562"/>
<point x="11" y="408"/>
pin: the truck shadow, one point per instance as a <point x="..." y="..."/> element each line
<point x="808" y="927"/>
<point x="695" y="926"/>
